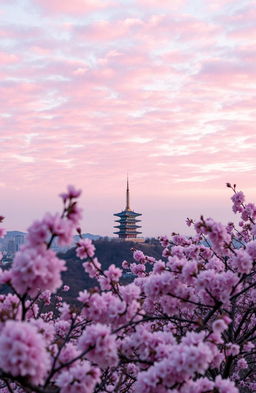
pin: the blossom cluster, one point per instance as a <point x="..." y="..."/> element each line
<point x="185" y="324"/>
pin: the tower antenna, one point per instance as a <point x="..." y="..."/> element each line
<point x="127" y="195"/>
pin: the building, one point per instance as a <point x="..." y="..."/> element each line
<point x="12" y="242"/>
<point x="11" y="248"/>
<point x="19" y="240"/>
<point x="128" y="222"/>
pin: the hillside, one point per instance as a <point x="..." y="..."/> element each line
<point x="108" y="252"/>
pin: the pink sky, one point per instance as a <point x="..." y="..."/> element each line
<point x="93" y="89"/>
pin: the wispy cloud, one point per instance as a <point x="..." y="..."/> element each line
<point x="92" y="89"/>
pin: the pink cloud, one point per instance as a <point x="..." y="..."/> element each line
<point x="247" y="34"/>
<point x="75" y="7"/>
<point x="41" y="51"/>
<point x="225" y="74"/>
<point x="170" y="5"/>
<point x="105" y="30"/>
<point x="218" y="5"/>
<point x="166" y="95"/>
<point x="8" y="58"/>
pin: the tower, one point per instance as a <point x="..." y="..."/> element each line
<point x="127" y="222"/>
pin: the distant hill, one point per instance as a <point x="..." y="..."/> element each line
<point x="87" y="236"/>
<point x="108" y="252"/>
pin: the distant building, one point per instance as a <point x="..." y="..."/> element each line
<point x="19" y="241"/>
<point x="12" y="242"/>
<point x="11" y="248"/>
<point x="127" y="222"/>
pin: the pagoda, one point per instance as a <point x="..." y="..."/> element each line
<point x="128" y="228"/>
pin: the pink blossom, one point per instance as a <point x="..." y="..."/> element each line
<point x="99" y="345"/>
<point x="242" y="364"/>
<point x="35" y="270"/>
<point x="84" y="296"/>
<point x="216" y="264"/>
<point x="32" y="309"/>
<point x="92" y="267"/>
<point x="62" y="327"/>
<point x="242" y="261"/>
<point x="10" y="307"/>
<point x="80" y="378"/>
<point x="125" y="265"/>
<point x="166" y="252"/>
<point x="225" y="385"/>
<point x="212" y="285"/>
<point x="182" y="363"/>
<point x="105" y="283"/>
<point x="5" y="276"/>
<point x="218" y="235"/>
<point x="177" y="251"/>
<point x="139" y="256"/>
<point x="150" y="260"/>
<point x="45" y="296"/>
<point x="159" y="267"/>
<point x="248" y="346"/>
<point x="200" y="385"/>
<point x="72" y="192"/>
<point x="38" y="233"/>
<point x="74" y="214"/>
<point x="248" y="212"/>
<point x="253" y="231"/>
<point x="232" y="349"/>
<point x="130" y="292"/>
<point x="23" y="352"/>
<point x="190" y="271"/>
<point x="45" y="329"/>
<point x="180" y="240"/>
<point x="85" y="248"/>
<point x="68" y="352"/>
<point x="164" y="241"/>
<point x="60" y="227"/>
<point x="139" y="270"/>
<point x="219" y="326"/>
<point x="65" y="313"/>
<point x="176" y="264"/>
<point x="230" y="227"/>
<point x="238" y="199"/>
<point x="163" y="333"/>
<point x="251" y="249"/>
<point x="113" y="273"/>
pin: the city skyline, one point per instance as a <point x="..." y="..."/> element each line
<point x="93" y="89"/>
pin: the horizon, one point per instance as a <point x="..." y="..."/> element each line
<point x="92" y="90"/>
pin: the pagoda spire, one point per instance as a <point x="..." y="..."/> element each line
<point x="127" y="196"/>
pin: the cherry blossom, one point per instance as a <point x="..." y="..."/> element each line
<point x="185" y="324"/>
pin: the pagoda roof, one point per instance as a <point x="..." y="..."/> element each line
<point x="127" y="213"/>
<point x="127" y="227"/>
<point x="125" y="233"/>
<point x="127" y="222"/>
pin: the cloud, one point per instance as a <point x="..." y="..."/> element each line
<point x="8" y="58"/>
<point x="91" y="93"/>
<point x="74" y="7"/>
<point x="163" y="4"/>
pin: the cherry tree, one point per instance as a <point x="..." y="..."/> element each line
<point x="185" y="324"/>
